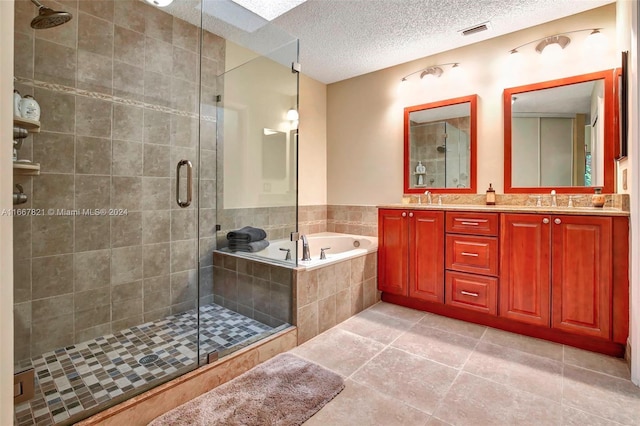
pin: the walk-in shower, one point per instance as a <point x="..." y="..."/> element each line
<point x="115" y="286"/>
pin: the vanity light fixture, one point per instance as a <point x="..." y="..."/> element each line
<point x="434" y="71"/>
<point x="557" y="41"/>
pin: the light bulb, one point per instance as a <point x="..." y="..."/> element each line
<point x="596" y="41"/>
<point x="456" y="71"/>
<point x="292" y="115"/>
<point x="159" y="3"/>
<point x="552" y="51"/>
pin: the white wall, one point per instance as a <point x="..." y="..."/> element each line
<point x="365" y="113"/>
<point x="6" y="225"/>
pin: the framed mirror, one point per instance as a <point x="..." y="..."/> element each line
<point x="440" y="146"/>
<point x="560" y="135"/>
<point x="622" y="114"/>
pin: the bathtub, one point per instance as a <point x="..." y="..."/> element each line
<point x="343" y="246"/>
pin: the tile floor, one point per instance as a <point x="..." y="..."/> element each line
<point x="406" y="367"/>
<point x="88" y="375"/>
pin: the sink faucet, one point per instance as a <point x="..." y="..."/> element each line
<point x="305" y="248"/>
<point x="428" y="194"/>
<point x="554" y="201"/>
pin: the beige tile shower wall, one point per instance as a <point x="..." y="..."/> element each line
<point x="118" y="88"/>
<point x="327" y="296"/>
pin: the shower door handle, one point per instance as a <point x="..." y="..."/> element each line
<point x="186" y="203"/>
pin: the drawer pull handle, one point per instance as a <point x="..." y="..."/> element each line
<point x="464" y="253"/>
<point x="468" y="293"/>
<point x="470" y="223"/>
<point x="404" y="214"/>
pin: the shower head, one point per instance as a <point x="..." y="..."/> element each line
<point x="441" y="148"/>
<point x="48" y="18"/>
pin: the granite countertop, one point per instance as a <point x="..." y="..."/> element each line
<point x="586" y="211"/>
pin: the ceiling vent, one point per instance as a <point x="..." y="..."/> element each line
<point x="476" y="29"/>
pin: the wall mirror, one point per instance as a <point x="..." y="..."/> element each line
<point x="560" y="135"/>
<point x="440" y="146"/>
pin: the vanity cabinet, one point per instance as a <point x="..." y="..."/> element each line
<point x="410" y="255"/>
<point x="557" y="272"/>
<point x="472" y="261"/>
<point x="560" y="276"/>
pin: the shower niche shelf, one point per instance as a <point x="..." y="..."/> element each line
<point x="31" y="126"/>
<point x="26" y="169"/>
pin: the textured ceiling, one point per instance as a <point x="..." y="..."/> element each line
<point x="340" y="39"/>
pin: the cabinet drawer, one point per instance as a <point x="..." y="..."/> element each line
<point x="472" y="223"/>
<point x="471" y="292"/>
<point x="478" y="255"/>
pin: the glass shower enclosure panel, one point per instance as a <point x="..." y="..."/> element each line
<point x="106" y="261"/>
<point x="256" y="115"/>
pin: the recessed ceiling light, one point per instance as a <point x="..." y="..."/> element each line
<point x="269" y="10"/>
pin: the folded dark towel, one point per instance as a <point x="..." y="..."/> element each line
<point x="247" y="234"/>
<point x="251" y="247"/>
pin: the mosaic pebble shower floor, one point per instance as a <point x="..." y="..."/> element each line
<point x="84" y="376"/>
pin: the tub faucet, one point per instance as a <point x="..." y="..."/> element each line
<point x="305" y="248"/>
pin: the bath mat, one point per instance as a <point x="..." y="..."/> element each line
<point x="284" y="391"/>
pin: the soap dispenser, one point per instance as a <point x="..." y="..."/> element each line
<point x="491" y="196"/>
<point x="598" y="198"/>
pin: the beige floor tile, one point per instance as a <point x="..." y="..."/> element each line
<point x="397" y="311"/>
<point x="605" y="396"/>
<point x="436" y="345"/>
<point x="358" y="405"/>
<point x="339" y="350"/>
<point x="597" y="362"/>
<point x="453" y="325"/>
<point x="524" y="343"/>
<point x="409" y="378"/>
<point x="532" y="373"/>
<point x="573" y="417"/>
<point x="379" y="327"/>
<point x="475" y="401"/>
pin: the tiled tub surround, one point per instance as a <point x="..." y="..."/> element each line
<point x="321" y="297"/>
<point x="254" y="289"/>
<point x="329" y="295"/>
<point x="119" y="96"/>
<point x="357" y="220"/>
<point x="279" y="222"/>
<point x="74" y="381"/>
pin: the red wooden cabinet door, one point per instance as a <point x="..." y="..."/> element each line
<point x="582" y="275"/>
<point x="426" y="250"/>
<point x="393" y="251"/>
<point x="525" y="246"/>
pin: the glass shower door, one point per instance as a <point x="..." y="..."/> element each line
<point x="106" y="262"/>
<point x="248" y="296"/>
